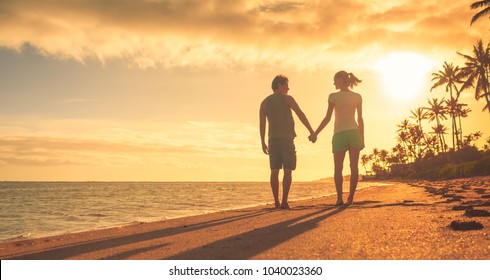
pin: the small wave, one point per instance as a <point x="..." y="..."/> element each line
<point x="21" y="237"/>
<point x="96" y="215"/>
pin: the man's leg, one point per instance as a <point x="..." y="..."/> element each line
<point x="286" y="185"/>
<point x="354" y="171"/>
<point x="275" y="186"/>
<point x="338" y="158"/>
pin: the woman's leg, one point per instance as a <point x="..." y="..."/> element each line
<point x="354" y="173"/>
<point x="338" y="158"/>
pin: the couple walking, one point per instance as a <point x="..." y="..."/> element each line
<point x="348" y="134"/>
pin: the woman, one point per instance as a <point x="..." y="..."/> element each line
<point x="348" y="134"/>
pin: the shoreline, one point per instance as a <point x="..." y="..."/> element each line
<point x="185" y="213"/>
<point x="403" y="220"/>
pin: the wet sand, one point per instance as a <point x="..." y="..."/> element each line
<point x="404" y="220"/>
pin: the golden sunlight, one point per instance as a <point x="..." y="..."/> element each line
<point x="404" y="75"/>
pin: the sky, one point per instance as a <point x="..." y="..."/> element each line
<point x="168" y="90"/>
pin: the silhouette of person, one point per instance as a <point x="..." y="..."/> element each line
<point x="348" y="134"/>
<point x="276" y="108"/>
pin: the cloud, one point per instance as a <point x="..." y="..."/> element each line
<point x="184" y="144"/>
<point x="226" y="33"/>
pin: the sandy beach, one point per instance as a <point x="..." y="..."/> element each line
<point x="402" y="220"/>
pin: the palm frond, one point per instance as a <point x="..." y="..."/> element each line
<point x="479" y="4"/>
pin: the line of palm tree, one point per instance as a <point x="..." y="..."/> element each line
<point x="482" y="13"/>
<point x="450" y="76"/>
<point x="477" y="70"/>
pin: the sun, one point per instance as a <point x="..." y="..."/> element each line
<point x="404" y="75"/>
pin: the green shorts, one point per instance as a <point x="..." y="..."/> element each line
<point x="282" y="153"/>
<point x="346" y="140"/>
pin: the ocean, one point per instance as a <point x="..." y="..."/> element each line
<point x="38" y="209"/>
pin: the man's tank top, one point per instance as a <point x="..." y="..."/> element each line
<point x="281" y="122"/>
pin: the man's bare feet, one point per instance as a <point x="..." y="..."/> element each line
<point x="277" y="204"/>
<point x="339" y="203"/>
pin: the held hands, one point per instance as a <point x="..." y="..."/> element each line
<point x="313" y="137"/>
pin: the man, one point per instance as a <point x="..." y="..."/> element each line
<point x="281" y="150"/>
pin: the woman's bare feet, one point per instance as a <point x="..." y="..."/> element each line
<point x="285" y="205"/>
<point x="350" y="200"/>
<point x="339" y="203"/>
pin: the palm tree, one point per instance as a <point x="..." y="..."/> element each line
<point x="383" y="156"/>
<point x="460" y="112"/>
<point x="404" y="126"/>
<point x="437" y="111"/>
<point x="482" y="13"/>
<point x="486" y="146"/>
<point x="403" y="138"/>
<point x="478" y="69"/>
<point x="431" y="145"/>
<point x="472" y="137"/>
<point x="452" y="107"/>
<point x="419" y="114"/>
<point x="375" y="156"/>
<point x="416" y="142"/>
<point x="450" y="76"/>
<point x="399" y="154"/>
<point x="404" y="133"/>
<point x="440" y="130"/>
<point x="365" y="159"/>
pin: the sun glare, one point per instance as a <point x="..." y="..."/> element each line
<point x="404" y="75"/>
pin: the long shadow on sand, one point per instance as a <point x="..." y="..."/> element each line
<point x="242" y="246"/>
<point x="248" y="244"/>
<point x="73" y="250"/>
<point x="378" y="204"/>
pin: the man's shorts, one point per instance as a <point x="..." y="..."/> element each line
<point x="346" y="140"/>
<point x="282" y="153"/>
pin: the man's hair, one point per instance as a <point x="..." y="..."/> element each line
<point x="279" y="79"/>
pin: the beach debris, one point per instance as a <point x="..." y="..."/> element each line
<point x="437" y="191"/>
<point x="462" y="207"/>
<point x="461" y="225"/>
<point x="455" y="198"/>
<point x="479" y="190"/>
<point x="486" y="196"/>
<point x="477" y="213"/>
